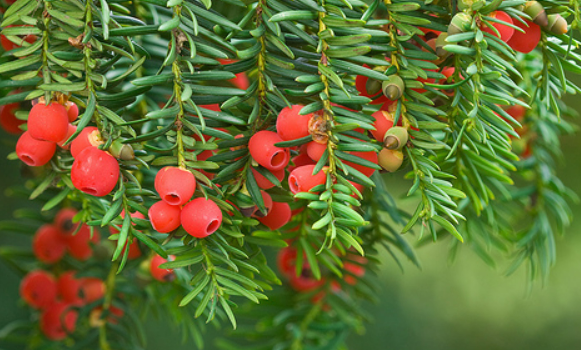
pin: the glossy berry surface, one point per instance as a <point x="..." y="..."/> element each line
<point x="383" y="122"/>
<point x="48" y="244"/>
<point x="368" y="156"/>
<point x="38" y="288"/>
<point x="72" y="111"/>
<point x="262" y="148"/>
<point x="278" y="216"/>
<point x="58" y="320"/>
<point x="95" y="172"/>
<point x="88" y="137"/>
<point x="316" y="150"/>
<point x="175" y="186"/>
<point x="265" y="183"/>
<point x="48" y="122"/>
<point x="34" y="152"/>
<point x="160" y="274"/>
<point x="302" y="179"/>
<point x="527" y="41"/>
<point x="504" y="30"/>
<point x="290" y="125"/>
<point x="70" y="131"/>
<point x="201" y="217"/>
<point x="164" y="217"/>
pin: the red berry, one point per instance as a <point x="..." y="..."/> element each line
<point x="241" y="80"/>
<point x="164" y="217"/>
<point x="305" y="282"/>
<point x="64" y="220"/>
<point x="267" y="200"/>
<point x="34" y="152"/>
<point x="263" y="182"/>
<point x="162" y="275"/>
<point x="95" y="172"/>
<point x="8" y="120"/>
<point x="316" y="150"/>
<point x="89" y="137"/>
<point x="527" y="41"/>
<point x="265" y="153"/>
<point x="301" y="159"/>
<point x="8" y="45"/>
<point x="48" y="122"/>
<point x="72" y="111"/>
<point x="114" y="314"/>
<point x="134" y="250"/>
<point x="302" y="179"/>
<point x="286" y="260"/>
<point x="48" y="244"/>
<point x="79" y="245"/>
<point x="369" y="156"/>
<point x="505" y="31"/>
<point x="201" y="217"/>
<point x="70" y="131"/>
<point x="278" y="216"/>
<point x="517" y="112"/>
<point x="38" y="288"/>
<point x="58" y="320"/>
<point x="203" y="156"/>
<point x="69" y="288"/>
<point x="175" y="186"/>
<point x="383" y="122"/>
<point x="290" y="125"/>
<point x="92" y="289"/>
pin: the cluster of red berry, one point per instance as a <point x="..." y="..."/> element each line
<point x="199" y="217"/>
<point x="94" y="171"/>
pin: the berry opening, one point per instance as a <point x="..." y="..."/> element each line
<point x="293" y="184"/>
<point x="213" y="226"/>
<point x="172" y="198"/>
<point x="28" y="160"/>
<point x="89" y="190"/>
<point x="278" y="159"/>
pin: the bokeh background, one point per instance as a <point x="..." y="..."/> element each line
<point x="464" y="305"/>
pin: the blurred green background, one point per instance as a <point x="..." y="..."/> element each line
<point x="466" y="305"/>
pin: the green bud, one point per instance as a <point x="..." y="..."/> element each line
<point x="440" y="43"/>
<point x="395" y="138"/>
<point x="557" y="24"/>
<point x="121" y="150"/>
<point x="460" y="23"/>
<point x="537" y="13"/>
<point x="393" y="88"/>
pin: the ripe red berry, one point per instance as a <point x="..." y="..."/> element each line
<point x="34" y="152"/>
<point x="48" y="244"/>
<point x="114" y="314"/>
<point x="305" y="282"/>
<point x="241" y="80"/>
<point x="48" y="122"/>
<point x="38" y="288"/>
<point x="204" y="156"/>
<point x="505" y="31"/>
<point x="8" y="120"/>
<point x="8" y="45"/>
<point x="89" y="137"/>
<point x="301" y="179"/>
<point x="267" y="200"/>
<point x="265" y="153"/>
<point x="70" y="131"/>
<point x="265" y="183"/>
<point x="301" y="159"/>
<point x="383" y="122"/>
<point x="175" y="186"/>
<point x="164" y="217"/>
<point x="316" y="150"/>
<point x="72" y="111"/>
<point x="290" y="125"/>
<point x="58" y="320"/>
<point x="92" y="289"/>
<point x="286" y="260"/>
<point x="79" y="245"/>
<point x="527" y="41"/>
<point x="162" y="275"/>
<point x="201" y="217"/>
<point x="278" y="216"/>
<point x="369" y="156"/>
<point x="95" y="172"/>
<point x="517" y="112"/>
<point x="64" y="221"/>
<point x="69" y="288"/>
